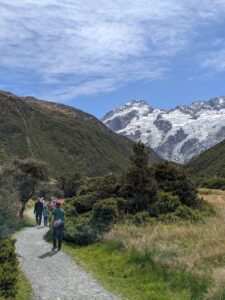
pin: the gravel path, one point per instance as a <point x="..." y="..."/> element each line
<point x="54" y="276"/>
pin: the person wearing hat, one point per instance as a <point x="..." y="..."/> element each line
<point x="58" y="226"/>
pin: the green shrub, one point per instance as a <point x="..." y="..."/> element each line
<point x="187" y="213"/>
<point x="8" y="269"/>
<point x="141" y="218"/>
<point x="88" y="220"/>
<point x="9" y="207"/>
<point x="172" y="178"/>
<point x="104" y="187"/>
<point x="213" y="183"/>
<point x="205" y="208"/>
<point x="69" y="184"/>
<point x="85" y="203"/>
<point x="49" y="189"/>
<point x="165" y="203"/>
<point x="105" y="213"/>
<point x="79" y="230"/>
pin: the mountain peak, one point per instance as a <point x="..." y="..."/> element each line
<point x="177" y="134"/>
<point x="132" y="106"/>
<point x="136" y="102"/>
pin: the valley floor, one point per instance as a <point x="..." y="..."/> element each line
<point x="157" y="261"/>
<point x="162" y="261"/>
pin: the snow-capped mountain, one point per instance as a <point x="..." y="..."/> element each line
<point x="177" y="134"/>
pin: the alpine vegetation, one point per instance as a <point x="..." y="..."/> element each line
<point x="142" y="193"/>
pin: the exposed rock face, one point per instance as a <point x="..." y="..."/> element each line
<point x="178" y="134"/>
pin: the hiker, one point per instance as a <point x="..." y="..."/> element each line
<point x="58" y="225"/>
<point x="54" y="200"/>
<point x="45" y="214"/>
<point x="38" y="210"/>
<point x="50" y="205"/>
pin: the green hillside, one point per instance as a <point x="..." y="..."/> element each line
<point x="210" y="163"/>
<point x="66" y="138"/>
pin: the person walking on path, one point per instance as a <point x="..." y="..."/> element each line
<point x="50" y="205"/>
<point x="38" y="210"/>
<point x="58" y="226"/>
<point x="45" y="214"/>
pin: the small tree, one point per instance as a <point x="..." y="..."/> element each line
<point x="8" y="221"/>
<point x="27" y="174"/>
<point x="104" y="187"/>
<point x="49" y="189"/>
<point x="8" y="207"/>
<point x="138" y="184"/>
<point x="173" y="179"/>
<point x="69" y="184"/>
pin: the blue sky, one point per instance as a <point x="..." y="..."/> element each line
<point x="96" y="55"/>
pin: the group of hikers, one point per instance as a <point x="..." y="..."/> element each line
<point x="51" y="208"/>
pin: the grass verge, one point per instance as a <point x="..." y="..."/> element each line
<point x="24" y="288"/>
<point x="135" y="275"/>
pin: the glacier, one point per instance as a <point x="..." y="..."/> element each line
<point x="178" y="134"/>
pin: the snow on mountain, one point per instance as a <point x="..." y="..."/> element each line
<point x="177" y="134"/>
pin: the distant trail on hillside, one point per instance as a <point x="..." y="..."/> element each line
<point x="54" y="276"/>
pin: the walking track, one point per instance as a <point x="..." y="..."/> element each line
<point x="54" y="276"/>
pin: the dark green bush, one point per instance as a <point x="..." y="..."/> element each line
<point x="172" y="178"/>
<point x="85" y="203"/>
<point x="105" y="213"/>
<point x="213" y="183"/>
<point x="141" y="218"/>
<point x="79" y="230"/>
<point x="49" y="189"/>
<point x="165" y="203"/>
<point x="69" y="184"/>
<point x="104" y="187"/>
<point x="8" y="269"/>
<point x="187" y="213"/>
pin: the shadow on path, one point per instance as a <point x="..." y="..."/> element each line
<point x="48" y="254"/>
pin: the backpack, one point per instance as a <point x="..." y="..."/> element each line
<point x="57" y="223"/>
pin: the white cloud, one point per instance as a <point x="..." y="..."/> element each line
<point x="215" y="60"/>
<point x="86" y="47"/>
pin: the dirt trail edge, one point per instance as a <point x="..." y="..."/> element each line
<point x="54" y="276"/>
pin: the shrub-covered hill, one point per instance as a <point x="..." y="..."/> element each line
<point x="210" y="163"/>
<point x="66" y="138"/>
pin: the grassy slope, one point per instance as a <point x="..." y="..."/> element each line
<point x="209" y="163"/>
<point x="67" y="138"/>
<point x="162" y="261"/>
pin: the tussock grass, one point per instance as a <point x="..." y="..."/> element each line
<point x="158" y="261"/>
<point x="199" y="248"/>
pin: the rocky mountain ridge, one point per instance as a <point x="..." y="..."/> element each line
<point x="177" y="134"/>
